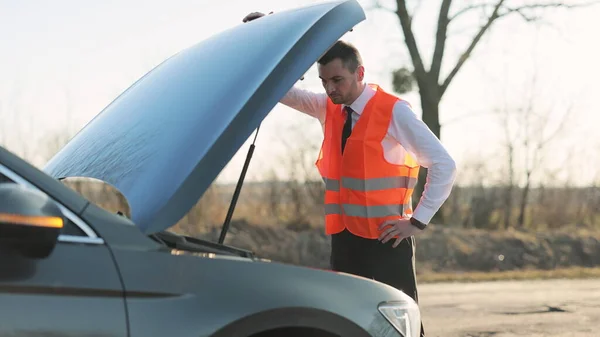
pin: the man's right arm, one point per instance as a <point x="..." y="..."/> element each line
<point x="311" y="103"/>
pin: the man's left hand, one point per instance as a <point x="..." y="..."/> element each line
<point x="398" y="227"/>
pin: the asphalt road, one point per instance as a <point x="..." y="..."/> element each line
<point x="566" y="308"/>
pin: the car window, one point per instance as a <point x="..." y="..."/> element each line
<point x="4" y="179"/>
<point x="100" y="194"/>
<point x="68" y="229"/>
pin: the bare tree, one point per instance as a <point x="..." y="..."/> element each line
<point x="302" y="191"/>
<point x="593" y="204"/>
<point x="480" y="197"/>
<point x="53" y="142"/>
<point x="510" y="179"/>
<point x="274" y="193"/>
<point x="528" y="131"/>
<point x="11" y="110"/>
<point x="431" y="84"/>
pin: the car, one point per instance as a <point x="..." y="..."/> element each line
<point x="73" y="268"/>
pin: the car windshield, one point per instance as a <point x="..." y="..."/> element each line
<point x="208" y="211"/>
<point x="100" y="193"/>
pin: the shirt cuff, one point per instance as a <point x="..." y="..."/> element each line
<point x="423" y="214"/>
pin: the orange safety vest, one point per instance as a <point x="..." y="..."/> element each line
<point x="362" y="189"/>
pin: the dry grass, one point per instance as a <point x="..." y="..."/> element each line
<point x="280" y="231"/>
<point x="561" y="273"/>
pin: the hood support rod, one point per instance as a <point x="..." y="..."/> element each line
<point x="238" y="189"/>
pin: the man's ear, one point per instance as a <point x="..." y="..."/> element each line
<point x="360" y="72"/>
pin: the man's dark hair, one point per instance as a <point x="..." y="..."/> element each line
<point x="344" y="51"/>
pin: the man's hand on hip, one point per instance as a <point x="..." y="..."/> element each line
<point x="402" y="228"/>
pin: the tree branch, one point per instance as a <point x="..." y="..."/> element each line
<point x="468" y="9"/>
<point x="411" y="44"/>
<point x="377" y="5"/>
<point x="440" y="40"/>
<point x="500" y="11"/>
<point x="561" y="126"/>
<point x="522" y="10"/>
<point x="463" y="58"/>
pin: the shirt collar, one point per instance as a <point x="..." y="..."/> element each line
<point x="359" y="104"/>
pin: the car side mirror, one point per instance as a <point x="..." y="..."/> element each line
<point x="30" y="221"/>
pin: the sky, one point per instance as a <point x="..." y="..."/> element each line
<point x="62" y="62"/>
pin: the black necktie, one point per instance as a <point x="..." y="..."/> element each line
<point x="347" y="127"/>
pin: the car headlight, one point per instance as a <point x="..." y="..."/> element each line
<point x="404" y="316"/>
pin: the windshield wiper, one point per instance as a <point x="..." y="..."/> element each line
<point x="191" y="244"/>
<point x="238" y="189"/>
<point x="187" y="243"/>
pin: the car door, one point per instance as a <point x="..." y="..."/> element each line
<point x="76" y="291"/>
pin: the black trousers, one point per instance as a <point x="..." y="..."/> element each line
<point x="372" y="259"/>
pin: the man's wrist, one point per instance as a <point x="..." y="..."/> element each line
<point x="417" y="223"/>
<point x="423" y="214"/>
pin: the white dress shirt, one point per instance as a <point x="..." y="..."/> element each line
<point x="406" y="133"/>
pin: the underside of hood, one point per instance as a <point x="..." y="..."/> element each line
<point x="165" y="139"/>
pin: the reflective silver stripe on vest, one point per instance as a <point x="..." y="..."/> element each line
<point x="372" y="211"/>
<point x="332" y="209"/>
<point x="367" y="211"/>
<point x="332" y="184"/>
<point x="375" y="184"/>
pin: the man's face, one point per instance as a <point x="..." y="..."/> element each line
<point x="342" y="86"/>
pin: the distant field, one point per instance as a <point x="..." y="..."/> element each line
<point x="443" y="254"/>
<point x="291" y="232"/>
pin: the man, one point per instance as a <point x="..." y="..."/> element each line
<point x="372" y="149"/>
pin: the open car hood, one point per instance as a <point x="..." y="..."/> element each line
<point x="165" y="139"/>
